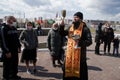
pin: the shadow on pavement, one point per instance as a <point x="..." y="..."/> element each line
<point x="91" y="50"/>
<point x="39" y="68"/>
<point x="94" y="68"/>
<point x="29" y="79"/>
<point x="111" y="55"/>
<point x="1" y="66"/>
<point x="88" y="58"/>
<point x="41" y="72"/>
<point x="46" y="74"/>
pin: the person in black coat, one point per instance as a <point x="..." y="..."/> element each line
<point x="10" y="47"/>
<point x="82" y="42"/>
<point x="54" y="43"/>
<point x="98" y="38"/>
<point x="116" y="42"/>
<point x="39" y="30"/>
<point x="108" y="36"/>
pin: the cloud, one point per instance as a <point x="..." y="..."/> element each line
<point x="37" y="3"/>
<point x="101" y="8"/>
<point x="115" y="17"/>
<point x="111" y="7"/>
<point x="97" y="9"/>
<point x="104" y="6"/>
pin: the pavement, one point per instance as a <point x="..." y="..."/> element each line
<point x="100" y="67"/>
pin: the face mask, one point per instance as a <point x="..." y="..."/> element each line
<point x="29" y="27"/>
<point x="55" y="28"/>
<point x="14" y="24"/>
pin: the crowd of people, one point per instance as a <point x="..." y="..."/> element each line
<point x="73" y="60"/>
<point x="105" y="35"/>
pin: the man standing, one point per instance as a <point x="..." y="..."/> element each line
<point x="98" y="38"/>
<point x="79" y="37"/>
<point x="10" y="47"/>
<point x="108" y="36"/>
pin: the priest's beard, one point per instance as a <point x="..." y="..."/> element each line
<point x="76" y="24"/>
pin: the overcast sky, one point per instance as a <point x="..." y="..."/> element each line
<point x="92" y="9"/>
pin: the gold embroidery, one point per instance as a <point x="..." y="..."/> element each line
<point x="72" y="65"/>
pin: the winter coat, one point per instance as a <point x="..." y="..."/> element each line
<point x="108" y="34"/>
<point x="29" y="39"/>
<point x="9" y="39"/>
<point x="54" y="42"/>
<point x="116" y="43"/>
<point x="99" y="33"/>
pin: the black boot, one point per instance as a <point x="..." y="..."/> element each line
<point x="53" y="62"/>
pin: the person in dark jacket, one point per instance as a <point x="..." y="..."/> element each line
<point x="79" y="37"/>
<point x="39" y="30"/>
<point x="98" y="38"/>
<point x="108" y="36"/>
<point x="116" y="42"/>
<point x="10" y="47"/>
<point x="29" y="39"/>
<point x="1" y="30"/>
<point x="54" y="42"/>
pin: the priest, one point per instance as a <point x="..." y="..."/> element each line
<point x="79" y="37"/>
